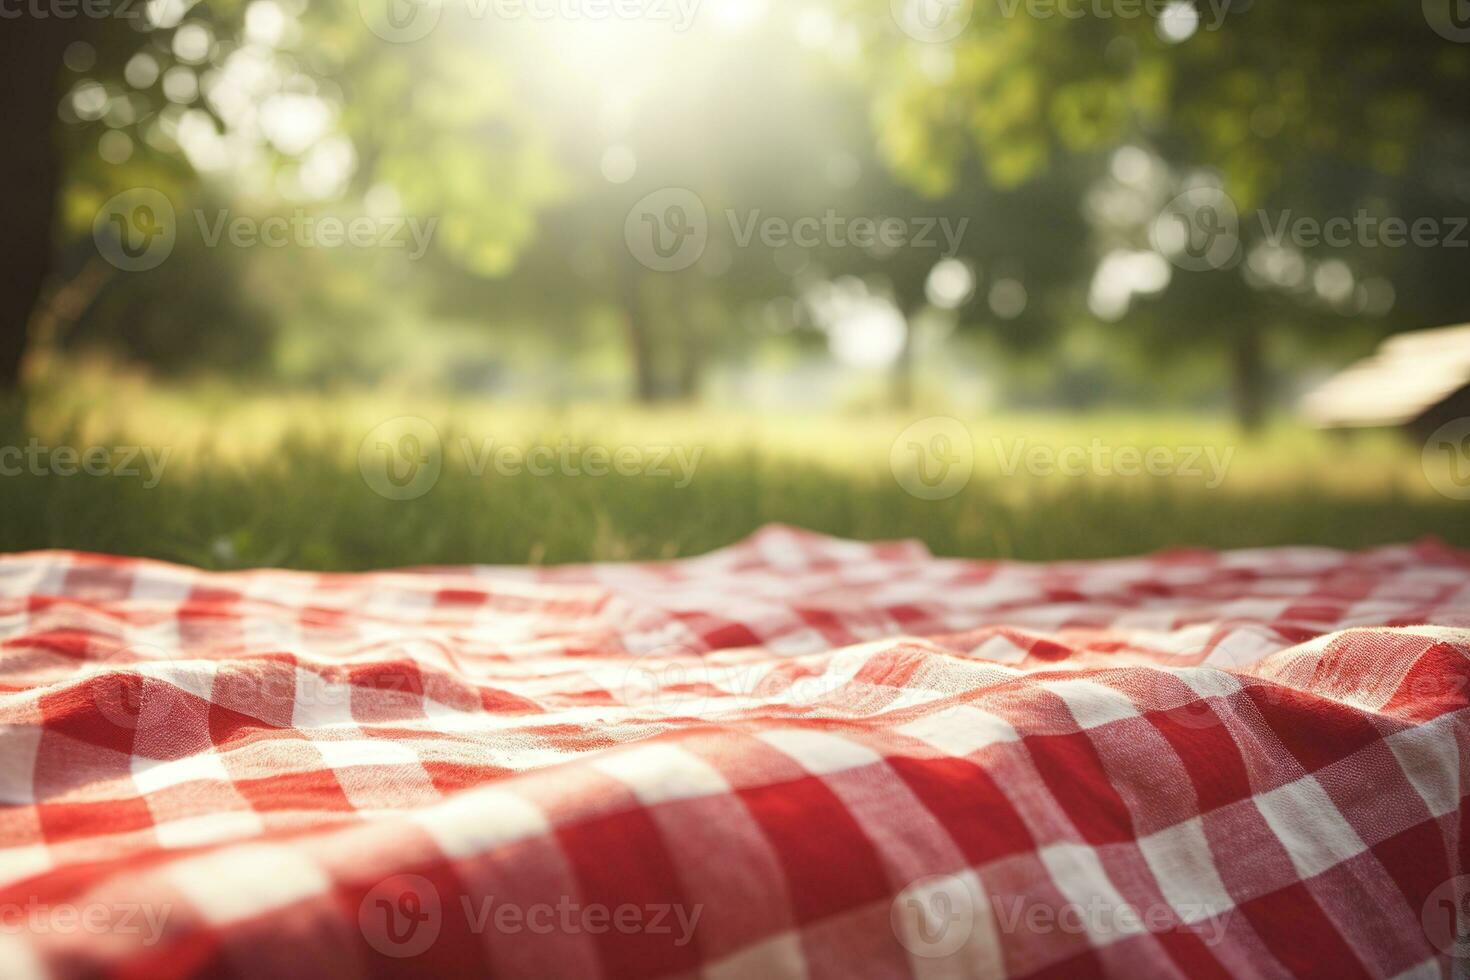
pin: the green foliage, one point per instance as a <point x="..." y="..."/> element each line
<point x="452" y="134"/>
<point x="498" y="129"/>
<point x="1257" y="95"/>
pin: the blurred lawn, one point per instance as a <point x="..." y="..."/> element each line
<point x="274" y="479"/>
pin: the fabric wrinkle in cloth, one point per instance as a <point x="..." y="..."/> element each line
<point x="797" y="756"/>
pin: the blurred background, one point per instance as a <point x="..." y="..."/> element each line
<point x="397" y="282"/>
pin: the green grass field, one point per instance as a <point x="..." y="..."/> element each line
<point x="277" y="480"/>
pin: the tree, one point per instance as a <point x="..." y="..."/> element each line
<point x="1021" y="249"/>
<point x="1272" y="98"/>
<point x="185" y="91"/>
<point x="30" y="168"/>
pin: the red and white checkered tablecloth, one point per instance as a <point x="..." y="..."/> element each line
<point x="795" y="757"/>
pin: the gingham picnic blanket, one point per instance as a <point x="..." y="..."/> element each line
<point x="794" y="757"/>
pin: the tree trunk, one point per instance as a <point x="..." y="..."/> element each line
<point x="691" y="339"/>
<point x="640" y="342"/>
<point x="901" y="373"/>
<point x="909" y="297"/>
<point x="691" y="363"/>
<point x="1248" y="378"/>
<point x="30" y="175"/>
